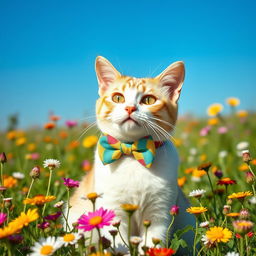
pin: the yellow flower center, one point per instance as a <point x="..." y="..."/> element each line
<point x="95" y="220"/>
<point x="68" y="237"/>
<point x="46" y="250"/>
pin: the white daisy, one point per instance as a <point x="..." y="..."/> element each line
<point x="204" y="224"/>
<point x="135" y="240"/>
<point x="46" y="246"/>
<point x="70" y="238"/>
<point x="242" y="145"/>
<point x="197" y="193"/>
<point x="18" y="175"/>
<point x="223" y="154"/>
<point x="205" y="240"/>
<point x="252" y="200"/>
<point x="59" y="204"/>
<point x="195" y="179"/>
<point x="51" y="163"/>
<point x="232" y="254"/>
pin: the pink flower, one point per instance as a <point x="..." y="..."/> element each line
<point x="222" y="130"/>
<point x="204" y="131"/>
<point x="53" y="217"/>
<point x="97" y="219"/>
<point x="71" y="123"/>
<point x="174" y="210"/>
<point x="3" y="217"/>
<point x="70" y="183"/>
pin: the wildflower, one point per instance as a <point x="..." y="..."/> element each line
<point x="32" y="156"/>
<point x="10" y="182"/>
<point x="43" y="225"/>
<point x="35" y="172"/>
<point x="86" y="165"/>
<point x="3" y="217"/>
<point x="116" y="223"/>
<point x="160" y="252"/>
<point x="46" y="246"/>
<point x="53" y="217"/>
<point x="242" y="226"/>
<point x="219" y="234"/>
<point x="232" y="254"/>
<point x="31" y="147"/>
<point x="197" y="193"/>
<point x="233" y="214"/>
<point x="252" y="200"/>
<point x="146" y="223"/>
<point x="240" y="195"/>
<point x="156" y="241"/>
<point x="181" y="181"/>
<point x="242" y="113"/>
<point x="226" y="181"/>
<point x="71" y="124"/>
<point x="54" y="118"/>
<point x="222" y="130"/>
<point x="233" y="102"/>
<point x="218" y="174"/>
<point x="21" y="141"/>
<point x="243" y="167"/>
<point x="7" y="202"/>
<point x="196" y="210"/>
<point x="49" y="126"/>
<point x="214" y="109"/>
<point x="244" y="214"/>
<point x="93" y="196"/>
<point x="204" y="131"/>
<point x="223" y="154"/>
<point x="113" y="232"/>
<point x="243" y="145"/>
<point x="97" y="219"/>
<point x="25" y="218"/>
<point x="129" y="208"/>
<point x="249" y="178"/>
<point x="174" y="210"/>
<point x="51" y="163"/>
<point x="39" y="200"/>
<point x="226" y="209"/>
<point x="90" y="141"/>
<point x="70" y="183"/>
<point x="15" y="239"/>
<point x="213" y="121"/>
<point x="135" y="240"/>
<point x="246" y="156"/>
<point x="70" y="238"/>
<point x="59" y="204"/>
<point x="18" y="175"/>
<point x="250" y="234"/>
<point x="205" y="166"/>
<point x="207" y="242"/>
<point x="204" y="224"/>
<point x="3" y="158"/>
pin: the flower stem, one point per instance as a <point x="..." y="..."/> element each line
<point x="68" y="209"/>
<point x="214" y="199"/>
<point x="48" y="189"/>
<point x="168" y="231"/>
<point x="129" y="233"/>
<point x="2" y="175"/>
<point x="29" y="190"/>
<point x="194" y="246"/>
<point x="122" y="237"/>
<point x="246" y="245"/>
<point x="100" y="244"/>
<point x="66" y="220"/>
<point x="241" y="246"/>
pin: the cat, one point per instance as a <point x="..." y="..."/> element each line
<point x="129" y="109"/>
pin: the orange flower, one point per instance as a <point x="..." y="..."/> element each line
<point x="181" y="181"/>
<point x="242" y="113"/>
<point x="39" y="200"/>
<point x="21" y="141"/>
<point x="49" y="126"/>
<point x="63" y="134"/>
<point x="226" y="181"/>
<point x="54" y="118"/>
<point x="9" y="181"/>
<point x="233" y="214"/>
<point x="243" y="167"/>
<point x="213" y="121"/>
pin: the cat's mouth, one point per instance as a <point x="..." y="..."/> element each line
<point x="129" y="119"/>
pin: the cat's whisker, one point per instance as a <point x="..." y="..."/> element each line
<point x="94" y="124"/>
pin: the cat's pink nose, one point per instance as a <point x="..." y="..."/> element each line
<point x="130" y="109"/>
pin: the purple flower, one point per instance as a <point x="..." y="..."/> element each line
<point x="204" y="131"/>
<point x="70" y="183"/>
<point x="218" y="173"/>
<point x="3" y="217"/>
<point x="43" y="225"/>
<point x="222" y="130"/>
<point x="174" y="210"/>
<point x="53" y="217"/>
<point x="16" y="239"/>
<point x="71" y="123"/>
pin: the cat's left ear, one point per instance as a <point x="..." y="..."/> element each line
<point x="172" y="79"/>
<point x="106" y="73"/>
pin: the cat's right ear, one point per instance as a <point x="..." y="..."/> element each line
<point x="106" y="73"/>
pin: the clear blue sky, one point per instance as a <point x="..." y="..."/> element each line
<point x="48" y="48"/>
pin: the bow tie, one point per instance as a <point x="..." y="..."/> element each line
<point x="143" y="150"/>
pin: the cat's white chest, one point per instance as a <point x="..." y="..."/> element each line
<point x="127" y="181"/>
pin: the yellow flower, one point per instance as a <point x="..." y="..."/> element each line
<point x="203" y="157"/>
<point x="233" y="102"/>
<point x="100" y="254"/>
<point x="10" y="182"/>
<point x="25" y="218"/>
<point x="31" y="147"/>
<point x="242" y="113"/>
<point x="233" y="214"/>
<point x="198" y="173"/>
<point x="214" y="109"/>
<point x="181" y="181"/>
<point x="219" y="234"/>
<point x="240" y="195"/>
<point x="129" y="208"/>
<point x="196" y="210"/>
<point x="213" y="121"/>
<point x="243" y="167"/>
<point x="39" y="200"/>
<point x="90" y="141"/>
<point x="21" y="141"/>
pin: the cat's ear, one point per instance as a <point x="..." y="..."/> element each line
<point x="106" y="73"/>
<point x="172" y="79"/>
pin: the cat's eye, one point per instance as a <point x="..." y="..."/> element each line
<point x="118" y="98"/>
<point x="148" y="100"/>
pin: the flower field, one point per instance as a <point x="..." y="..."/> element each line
<point x="40" y="168"/>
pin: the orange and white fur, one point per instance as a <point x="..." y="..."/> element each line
<point x="128" y="109"/>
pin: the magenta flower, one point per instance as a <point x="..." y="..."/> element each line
<point x="3" y="217"/>
<point x="53" y="217"/>
<point x="222" y="130"/>
<point x="70" y="183"/>
<point x="43" y="225"/>
<point x="204" y="131"/>
<point x="71" y="124"/>
<point x="174" y="210"/>
<point x="97" y="219"/>
<point x="16" y="239"/>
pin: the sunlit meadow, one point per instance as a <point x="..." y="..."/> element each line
<point x="41" y="167"/>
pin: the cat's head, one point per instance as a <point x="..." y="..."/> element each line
<point x="130" y="108"/>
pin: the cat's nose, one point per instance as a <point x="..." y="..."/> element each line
<point x="130" y="109"/>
